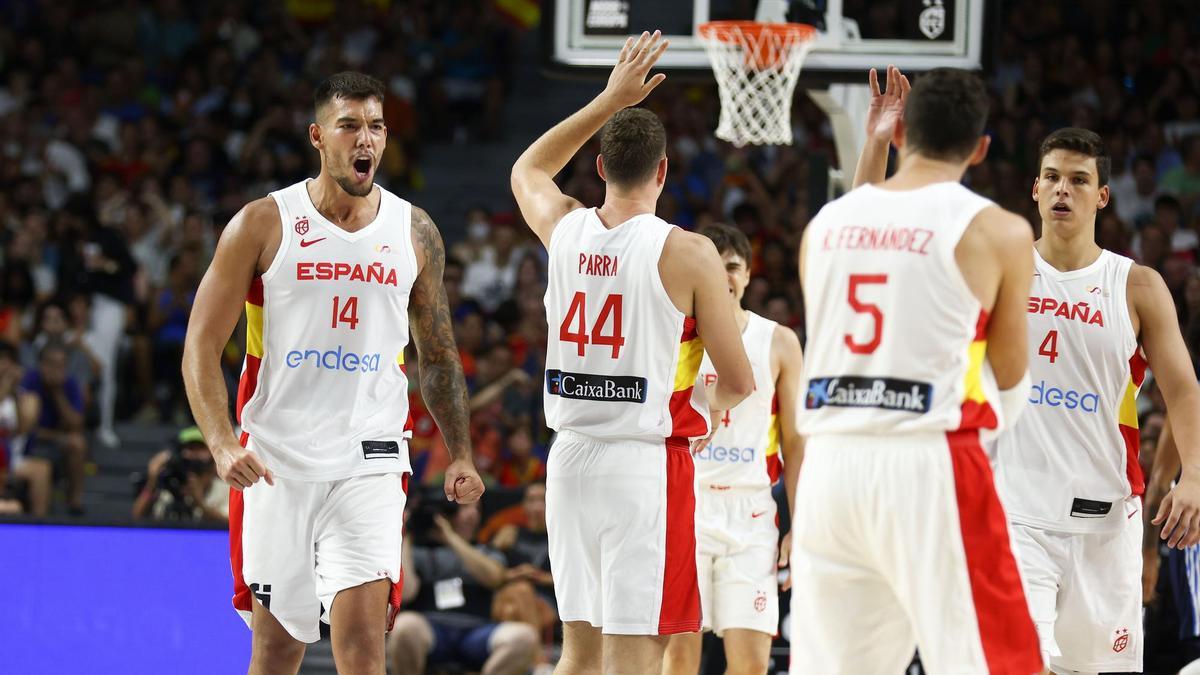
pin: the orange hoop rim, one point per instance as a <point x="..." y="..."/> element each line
<point x="728" y="31"/>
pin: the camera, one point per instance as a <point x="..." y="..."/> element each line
<point x="174" y="475"/>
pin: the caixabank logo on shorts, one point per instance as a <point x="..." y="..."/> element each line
<point x="851" y="391"/>
<point x="584" y="386"/>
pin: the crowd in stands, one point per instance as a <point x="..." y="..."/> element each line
<point x="131" y="132"/>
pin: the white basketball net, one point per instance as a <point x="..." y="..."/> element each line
<point x="756" y="74"/>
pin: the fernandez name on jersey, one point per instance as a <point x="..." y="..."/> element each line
<point x="583" y="386"/>
<point x="850" y="391"/>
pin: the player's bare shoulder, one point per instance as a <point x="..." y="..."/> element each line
<point x="254" y="231"/>
<point x="996" y="230"/>
<point x="1147" y="295"/>
<point x="683" y="250"/>
<point x="684" y="255"/>
<point x="786" y="352"/>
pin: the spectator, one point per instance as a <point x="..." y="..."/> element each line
<point x="182" y="484"/>
<point x="1167" y="220"/>
<point x="526" y="546"/>
<point x="1183" y="181"/>
<point x="528" y="593"/>
<point x="58" y="440"/>
<point x="167" y="324"/>
<point x="52" y="327"/>
<point x="18" y="414"/>
<point x="518" y="465"/>
<point x="1135" y="192"/>
<point x="490" y="279"/>
<point x="448" y="586"/>
<point x="16" y="300"/>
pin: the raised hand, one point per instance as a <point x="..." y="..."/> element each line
<point x="886" y="108"/>
<point x="627" y="84"/>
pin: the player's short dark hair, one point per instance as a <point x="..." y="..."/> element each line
<point x="347" y="84"/>
<point x="728" y="239"/>
<point x="8" y="351"/>
<point x="632" y="143"/>
<point x="1082" y="141"/>
<point x="946" y="113"/>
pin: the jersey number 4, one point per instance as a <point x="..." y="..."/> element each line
<point x="576" y="318"/>
<point x="872" y="310"/>
<point x="1049" y="346"/>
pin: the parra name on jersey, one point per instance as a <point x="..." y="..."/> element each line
<point x="598" y="264"/>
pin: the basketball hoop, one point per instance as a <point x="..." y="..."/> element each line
<point x="756" y="65"/>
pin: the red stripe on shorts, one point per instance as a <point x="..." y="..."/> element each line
<point x="680" y="610"/>
<point x="398" y="587"/>
<point x="1010" y="641"/>
<point x="241" y="592"/>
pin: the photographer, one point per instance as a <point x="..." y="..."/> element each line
<point x="448" y="586"/>
<point x="182" y="484"/>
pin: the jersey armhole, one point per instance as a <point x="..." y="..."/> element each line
<point x="554" y="231"/>
<point x="285" y="237"/>
<point x="406" y="218"/>
<point x="1127" y="316"/>
<point x="952" y="260"/>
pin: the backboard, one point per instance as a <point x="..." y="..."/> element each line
<point x="915" y="35"/>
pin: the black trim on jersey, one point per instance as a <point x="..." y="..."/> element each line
<point x="587" y="387"/>
<point x="378" y="449"/>
<point x="1089" y="508"/>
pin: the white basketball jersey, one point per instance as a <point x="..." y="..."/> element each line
<point x="744" y="450"/>
<point x="896" y="339"/>
<point x="323" y="394"/>
<point x="621" y="359"/>
<point x="1072" y="458"/>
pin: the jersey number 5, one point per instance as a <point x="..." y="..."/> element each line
<point x="577" y="315"/>
<point x="872" y="310"/>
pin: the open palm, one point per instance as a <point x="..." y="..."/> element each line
<point x="886" y="108"/>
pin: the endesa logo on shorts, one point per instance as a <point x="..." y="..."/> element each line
<point x="338" y="358"/>
<point x="1057" y="397"/>
<point x="849" y="391"/>
<point x="583" y="386"/>
<point x="718" y="453"/>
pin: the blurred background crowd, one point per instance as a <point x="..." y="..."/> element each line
<point x="130" y="133"/>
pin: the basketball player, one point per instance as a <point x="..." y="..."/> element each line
<point x="629" y="300"/>
<point x="1069" y="470"/>
<point x="334" y="272"/>
<point x="735" y="512"/>
<point x="916" y="292"/>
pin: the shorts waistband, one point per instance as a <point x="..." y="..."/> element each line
<point x="653" y="441"/>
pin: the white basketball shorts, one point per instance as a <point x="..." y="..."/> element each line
<point x="296" y="544"/>
<point x="738" y="560"/>
<point x="1085" y="594"/>
<point x="900" y="542"/>
<point x="621" y="521"/>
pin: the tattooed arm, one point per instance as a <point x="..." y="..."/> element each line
<point x="442" y="383"/>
